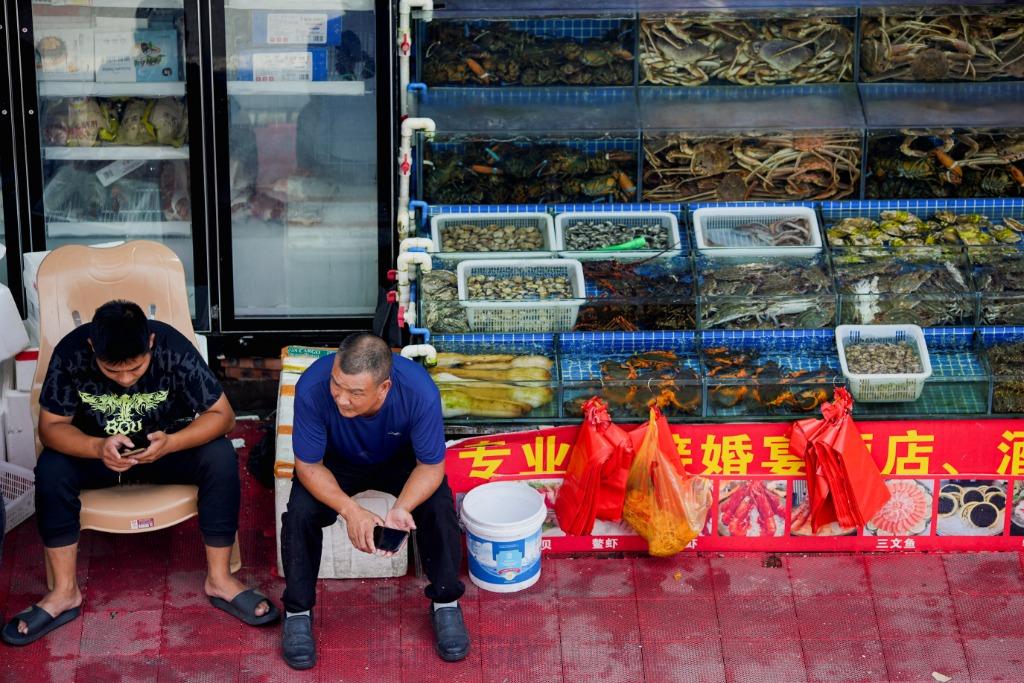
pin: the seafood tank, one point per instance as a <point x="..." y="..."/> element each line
<point x="653" y="293"/>
<point x="959" y="384"/>
<point x="734" y="144"/>
<point x="1004" y="354"/>
<point x="496" y="377"/>
<point x="692" y="49"/>
<point x="999" y="277"/>
<point x="765" y="293"/>
<point x="924" y="286"/>
<point x="631" y="373"/>
<point x="936" y="43"/>
<point x="765" y="374"/>
<point x="591" y="51"/>
<point x="923" y="223"/>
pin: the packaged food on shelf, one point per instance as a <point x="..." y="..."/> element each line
<point x="924" y="286"/>
<point x="65" y="54"/>
<point x="493" y="376"/>
<point x="746" y="48"/>
<point x="529" y="170"/>
<point x="142" y="56"/>
<point x="759" y="293"/>
<point x="595" y="51"/>
<point x="92" y="121"/>
<point x="765" y="373"/>
<point x="637" y="294"/>
<point x="75" y="194"/>
<point x="631" y="373"/>
<point x="281" y="64"/>
<point x="175" y="193"/>
<point x="940" y="43"/>
<point x="271" y="27"/>
<point x="945" y="162"/>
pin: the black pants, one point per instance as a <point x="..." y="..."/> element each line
<point x="213" y="467"/>
<point x="438" y="539"/>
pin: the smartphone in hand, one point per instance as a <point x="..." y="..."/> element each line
<point x="387" y="539"/>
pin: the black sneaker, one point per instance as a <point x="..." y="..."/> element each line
<point x="449" y="629"/>
<point x="297" y="644"/>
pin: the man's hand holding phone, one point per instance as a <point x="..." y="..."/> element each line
<point x="117" y="452"/>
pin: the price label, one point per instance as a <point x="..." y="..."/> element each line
<point x="296" y="29"/>
<point x="113" y="172"/>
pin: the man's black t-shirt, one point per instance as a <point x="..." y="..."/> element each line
<point x="177" y="385"/>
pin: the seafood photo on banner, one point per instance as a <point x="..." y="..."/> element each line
<point x="932" y="44"/>
<point x="924" y="286"/>
<point x="751" y="166"/>
<point x="632" y="384"/>
<point x="1017" y="515"/>
<point x="745" y="381"/>
<point x="782" y="293"/>
<point x="504" y="53"/>
<point x="529" y="171"/>
<point x="629" y="296"/>
<point x="945" y="162"/>
<point x="903" y="228"/>
<point x="759" y="49"/>
<point x="1006" y="358"/>
<point x="971" y="507"/>
<point x="752" y="508"/>
<point x="907" y="513"/>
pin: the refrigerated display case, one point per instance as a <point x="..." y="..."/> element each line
<point x="109" y="151"/>
<point x="304" y="206"/>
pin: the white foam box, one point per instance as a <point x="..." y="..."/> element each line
<point x="339" y="559"/>
<point x="25" y="364"/>
<point x="30" y="261"/>
<point x="18" y="432"/>
<point x="13" y="337"/>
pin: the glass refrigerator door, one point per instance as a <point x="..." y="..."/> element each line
<point x="114" y="131"/>
<point x="302" y="142"/>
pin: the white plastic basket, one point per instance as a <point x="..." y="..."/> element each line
<point x="666" y="220"/>
<point x="17" y="486"/>
<point x="541" y="221"/>
<point x="884" y="388"/>
<point x="556" y="315"/>
<point x="717" y="224"/>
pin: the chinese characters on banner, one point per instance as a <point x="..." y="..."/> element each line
<point x="956" y="485"/>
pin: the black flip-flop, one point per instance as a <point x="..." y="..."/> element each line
<point x="243" y="607"/>
<point x="39" y="623"/>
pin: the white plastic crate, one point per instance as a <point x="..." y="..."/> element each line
<point x="554" y="315"/>
<point x="718" y="224"/>
<point x="17" y="486"/>
<point x="539" y="220"/>
<point x="666" y="220"/>
<point x="884" y="388"/>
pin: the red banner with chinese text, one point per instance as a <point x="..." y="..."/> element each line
<point x="956" y="485"/>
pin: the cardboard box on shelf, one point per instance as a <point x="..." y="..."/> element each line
<point x="19" y="432"/>
<point x="144" y="56"/>
<point x="283" y="65"/>
<point x="296" y="28"/>
<point x="65" y="54"/>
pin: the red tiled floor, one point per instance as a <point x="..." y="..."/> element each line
<point x="735" y="618"/>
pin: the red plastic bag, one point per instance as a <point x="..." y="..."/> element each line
<point x="843" y="481"/>
<point x="664" y="504"/>
<point x="578" y="498"/>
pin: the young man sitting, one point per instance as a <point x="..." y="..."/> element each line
<point x="119" y="380"/>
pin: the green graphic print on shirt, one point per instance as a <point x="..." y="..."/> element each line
<point x="123" y="412"/>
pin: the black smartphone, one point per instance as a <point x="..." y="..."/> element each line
<point x="139" y="440"/>
<point x="387" y="539"/>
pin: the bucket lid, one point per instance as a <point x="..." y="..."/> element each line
<point x="504" y="507"/>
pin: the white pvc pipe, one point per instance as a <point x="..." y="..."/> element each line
<point x="415" y="242"/>
<point x="404" y="43"/>
<point x="409" y="127"/>
<point x="413" y="258"/>
<point x="425" y="351"/>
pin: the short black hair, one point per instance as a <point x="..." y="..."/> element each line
<point x="365" y="352"/>
<point x="119" y="332"/>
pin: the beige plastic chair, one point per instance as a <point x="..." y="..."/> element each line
<point x="73" y="281"/>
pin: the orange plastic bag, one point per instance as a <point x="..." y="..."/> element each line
<point x="664" y="504"/>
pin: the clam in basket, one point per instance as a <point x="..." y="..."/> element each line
<point x="881" y="388"/>
<point x="757" y="231"/>
<point x="531" y="313"/>
<point x="643" y="233"/>
<point x="461" y="236"/>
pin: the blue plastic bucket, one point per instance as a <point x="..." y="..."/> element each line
<point x="503" y="526"/>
